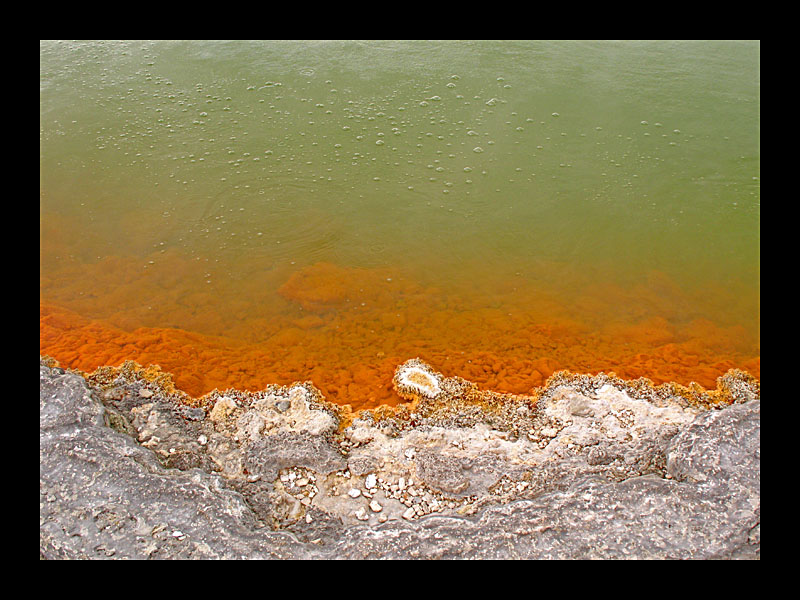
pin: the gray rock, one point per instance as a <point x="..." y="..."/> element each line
<point x="362" y="465"/>
<point x="689" y="489"/>
<point x="270" y="454"/>
<point x="441" y="472"/>
<point x="460" y="475"/>
<point x="102" y="495"/>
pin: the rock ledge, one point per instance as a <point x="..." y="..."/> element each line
<point x="587" y="467"/>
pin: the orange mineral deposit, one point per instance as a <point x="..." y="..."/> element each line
<point x="346" y="329"/>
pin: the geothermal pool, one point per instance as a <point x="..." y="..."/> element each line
<point x="247" y="213"/>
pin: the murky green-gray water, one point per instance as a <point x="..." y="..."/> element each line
<point x="460" y="160"/>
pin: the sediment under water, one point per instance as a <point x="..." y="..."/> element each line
<point x="248" y="213"/>
<point x="348" y="329"/>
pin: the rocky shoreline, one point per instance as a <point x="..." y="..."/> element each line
<point x="586" y="467"/>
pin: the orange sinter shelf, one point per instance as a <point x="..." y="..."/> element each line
<point x="346" y="329"/>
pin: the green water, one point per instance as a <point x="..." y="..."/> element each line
<point x="463" y="156"/>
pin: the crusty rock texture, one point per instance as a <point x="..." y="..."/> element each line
<point x="586" y="467"/>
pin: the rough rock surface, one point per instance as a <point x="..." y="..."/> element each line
<point x="588" y="469"/>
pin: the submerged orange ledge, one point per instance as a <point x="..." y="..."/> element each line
<point x="351" y="328"/>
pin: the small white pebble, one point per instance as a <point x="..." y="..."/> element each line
<point x="375" y="507"/>
<point x="354" y="493"/>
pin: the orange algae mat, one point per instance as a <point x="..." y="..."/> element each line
<point x="346" y="329"/>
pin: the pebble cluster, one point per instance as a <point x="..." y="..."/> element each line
<point x="301" y="484"/>
<point x="417" y="499"/>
